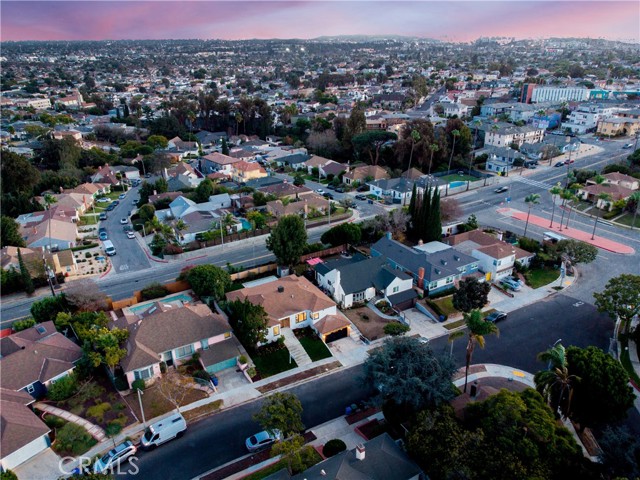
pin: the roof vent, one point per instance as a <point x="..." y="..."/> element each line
<point x="360" y="451"/>
<point x="456" y="258"/>
<point x="443" y="261"/>
<point x="280" y="288"/>
<point x="438" y="271"/>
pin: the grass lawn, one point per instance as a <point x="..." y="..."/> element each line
<point x="627" y="219"/>
<point x="541" y="277"/>
<point x="625" y="360"/>
<point x="269" y="364"/>
<point x="452" y="325"/>
<point x="88" y="220"/>
<point x="458" y="178"/>
<point x="315" y="348"/>
<point x="446" y="305"/>
<point x="311" y="457"/>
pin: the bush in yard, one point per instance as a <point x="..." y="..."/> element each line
<point x="47" y="308"/>
<point x="8" y="475"/>
<point x="396" y="328"/>
<point x="98" y="411"/>
<point x="333" y="447"/>
<point x="529" y="244"/>
<point x="154" y="290"/>
<point x="20" y="325"/>
<point x="63" y="388"/>
<point x="138" y="384"/>
<point x="203" y="374"/>
<point x="209" y="281"/>
<point x="73" y="439"/>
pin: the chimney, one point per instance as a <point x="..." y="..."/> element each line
<point x="421" y="277"/>
<point x="420" y="242"/>
<point x="388" y="235"/>
<point x="360" y="452"/>
<point x="280" y="289"/>
<point x="323" y="473"/>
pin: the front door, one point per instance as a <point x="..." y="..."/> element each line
<point x="285" y="322"/>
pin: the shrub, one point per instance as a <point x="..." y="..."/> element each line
<point x="171" y="249"/>
<point x="73" y="439"/>
<point x="113" y="428"/>
<point x="121" y="383"/>
<point x="242" y="359"/>
<point x="54" y="422"/>
<point x="396" y="328"/>
<point x="138" y="384"/>
<point x="87" y="254"/>
<point x="163" y="367"/>
<point x="23" y="324"/>
<point x="251" y="371"/>
<point x="63" y="388"/>
<point x="333" y="447"/>
<point x="98" y="411"/>
<point x="203" y="374"/>
<point x="154" y="290"/>
<point x="8" y="475"/>
<point x="529" y="244"/>
<point x="436" y="308"/>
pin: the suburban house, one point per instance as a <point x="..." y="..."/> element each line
<point x="364" y="174"/>
<point x="58" y="233"/>
<point x="294" y="302"/>
<point x="321" y="163"/>
<point x="618" y="126"/>
<point x="208" y="139"/>
<point x="381" y="458"/>
<point x="93" y="190"/>
<point x="616" y="186"/>
<point x="496" y="258"/>
<point x="171" y="333"/>
<point x="397" y="190"/>
<point x="182" y="176"/>
<point x="293" y="160"/>
<point x="309" y="206"/>
<point x="392" y="101"/>
<point x="434" y="266"/>
<point x="63" y="262"/>
<point x="358" y="279"/>
<point x="500" y="159"/>
<point x="130" y="173"/>
<point x="35" y="358"/>
<point x="217" y="162"/>
<point x="242" y="171"/>
<point x="105" y="175"/>
<point x="620" y="179"/>
<point x="286" y="190"/>
<point x="23" y="434"/>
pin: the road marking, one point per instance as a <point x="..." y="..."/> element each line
<point x="578" y="304"/>
<point x="124" y="267"/>
<point x="535" y="183"/>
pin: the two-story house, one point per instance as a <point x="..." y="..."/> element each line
<point x="217" y="162"/>
<point x="242" y="172"/>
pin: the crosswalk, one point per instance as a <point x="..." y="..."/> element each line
<point x="535" y="183"/>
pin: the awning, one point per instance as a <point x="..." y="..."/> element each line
<point x="314" y="261"/>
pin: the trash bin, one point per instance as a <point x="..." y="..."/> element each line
<point x="215" y="381"/>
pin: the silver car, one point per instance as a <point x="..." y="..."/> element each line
<point x="114" y="457"/>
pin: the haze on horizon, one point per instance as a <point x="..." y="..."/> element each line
<point x="457" y="21"/>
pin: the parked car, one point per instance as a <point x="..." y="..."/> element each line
<point x="320" y="191"/>
<point x="510" y="285"/>
<point x="328" y="196"/>
<point x="262" y="440"/>
<point x="628" y="145"/>
<point x="331" y="187"/>
<point x="502" y="189"/>
<point x="115" y="202"/>
<point x="124" y="221"/>
<point x="569" y="161"/>
<point x="340" y="189"/>
<point x="130" y="234"/>
<point x="103" y="216"/>
<point x="515" y="279"/>
<point x="496" y="316"/>
<point x="114" y="457"/>
<point x="103" y="236"/>
<point x="363" y="188"/>
<point x="122" y="195"/>
<point x="361" y="197"/>
<point x="103" y="200"/>
<point x="559" y="164"/>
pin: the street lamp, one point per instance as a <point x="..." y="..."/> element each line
<point x="140" y="392"/>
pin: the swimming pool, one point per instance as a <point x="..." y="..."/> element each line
<point x="182" y="298"/>
<point x="246" y="224"/>
<point x="457" y="184"/>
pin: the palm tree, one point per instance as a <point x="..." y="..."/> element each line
<point x="48" y="201"/>
<point x="564" y="195"/>
<point x="606" y="197"/>
<point x="415" y="137"/>
<point x="455" y="134"/>
<point x="530" y="200"/>
<point x="477" y="328"/>
<point x="555" y="384"/>
<point x="452" y="338"/>
<point x="554" y="191"/>
<point x="572" y="189"/>
<point x="434" y="148"/>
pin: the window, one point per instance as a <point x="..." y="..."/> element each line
<point x="31" y="388"/>
<point x="433" y="284"/>
<point x="142" y="374"/>
<point x="204" y="344"/>
<point x="395" y="289"/>
<point x="315" y="315"/>
<point x="184" y="351"/>
<point x="301" y="317"/>
<point x="449" y="279"/>
<point x="276" y="331"/>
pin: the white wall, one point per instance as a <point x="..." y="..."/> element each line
<point x="25" y="453"/>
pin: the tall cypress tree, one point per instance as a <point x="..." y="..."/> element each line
<point x="412" y="204"/>
<point x="435" y="222"/>
<point x="26" y="277"/>
<point x="425" y="216"/>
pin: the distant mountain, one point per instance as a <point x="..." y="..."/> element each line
<point x="371" y="38"/>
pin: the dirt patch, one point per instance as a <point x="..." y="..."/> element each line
<point x="370" y="324"/>
<point x="155" y="404"/>
<point x="299" y="376"/>
<point x="472" y="369"/>
<point x="372" y="429"/>
<point x="91" y="261"/>
<point x="358" y="416"/>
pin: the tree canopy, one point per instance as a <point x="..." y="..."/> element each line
<point x="410" y="374"/>
<point x="471" y="294"/>
<point x="281" y="411"/>
<point x="577" y="251"/>
<point x="287" y="240"/>
<point x="620" y="297"/>
<point x="209" y="281"/>
<point x="249" y="322"/>
<point x="344" y="233"/>
<point x="10" y="233"/>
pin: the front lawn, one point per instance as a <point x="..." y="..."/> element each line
<point x="315" y="348"/>
<point x="269" y="363"/>
<point x="458" y="178"/>
<point x="627" y="219"/>
<point x="541" y="277"/>
<point x="88" y="220"/>
<point x="446" y="305"/>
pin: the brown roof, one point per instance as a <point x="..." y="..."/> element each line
<point x="317" y="161"/>
<point x="248" y="166"/>
<point x="331" y="323"/>
<point x="298" y="294"/>
<point x="497" y="251"/>
<point x="617" y="192"/>
<point x="285" y="190"/>
<point x="169" y="329"/>
<point x="19" y="425"/>
<point x="161" y="196"/>
<point x="360" y="173"/>
<point x="620" y="177"/>
<point x="38" y="353"/>
<point x="295" y="208"/>
<point x="221" y="159"/>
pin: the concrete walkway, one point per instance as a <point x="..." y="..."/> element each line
<point x="94" y="430"/>
<point x="296" y="349"/>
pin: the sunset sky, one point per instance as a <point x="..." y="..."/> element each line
<point x="446" y="20"/>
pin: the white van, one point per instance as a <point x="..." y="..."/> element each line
<point x="163" y="431"/>
<point x="552" y="238"/>
<point x="109" y="249"/>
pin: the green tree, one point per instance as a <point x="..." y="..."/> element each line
<point x="10" y="233"/>
<point x="18" y="175"/>
<point x="409" y="374"/>
<point x="576" y="251"/>
<point x="48" y="308"/>
<point x="290" y="449"/>
<point x="282" y="412"/>
<point x="225" y="147"/>
<point x="395" y="329"/>
<point x="349" y="233"/>
<point x="556" y="383"/>
<point x="620" y="452"/>
<point x="370" y="143"/>
<point x="157" y="141"/>
<point x="603" y="393"/>
<point x="257" y="219"/>
<point x="287" y="240"/>
<point x="249" y="322"/>
<point x="434" y="225"/>
<point x="298" y="179"/>
<point x="161" y="185"/>
<point x="146" y="212"/>
<point x="530" y="200"/>
<point x="209" y="281"/>
<point x="620" y="298"/>
<point x="26" y="276"/>
<point x="471" y="294"/>
<point x="477" y="329"/>
<point x="203" y="191"/>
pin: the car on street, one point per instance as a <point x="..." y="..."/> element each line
<point x="627" y="146"/>
<point x="361" y="197"/>
<point x="569" y="161"/>
<point x="103" y="200"/>
<point x="122" y="195"/>
<point x="340" y="189"/>
<point x="363" y="188"/>
<point x="496" y="316"/>
<point x="328" y="196"/>
<point x="103" y="236"/>
<point x="330" y="187"/>
<point x="510" y="285"/>
<point x="501" y="189"/>
<point x="114" y="457"/>
<point x="559" y="164"/>
<point x="124" y="221"/>
<point x="262" y="440"/>
<point x="115" y="202"/>
<point x="130" y="234"/>
<point x="320" y="191"/>
<point x="110" y="207"/>
<point x="103" y="216"/>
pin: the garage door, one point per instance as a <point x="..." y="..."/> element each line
<point x="216" y="367"/>
<point x="337" y="335"/>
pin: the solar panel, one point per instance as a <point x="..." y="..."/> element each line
<point x="41" y="330"/>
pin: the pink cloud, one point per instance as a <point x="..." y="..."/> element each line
<point x="459" y="21"/>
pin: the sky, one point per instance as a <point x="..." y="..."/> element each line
<point x="450" y="20"/>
